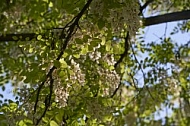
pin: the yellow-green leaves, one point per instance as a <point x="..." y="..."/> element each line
<point x="60" y="63"/>
<point x="50" y="4"/>
<point x="25" y="122"/>
<point x="53" y="123"/>
<point x="39" y="37"/>
<point x="63" y="63"/>
<point x="84" y="50"/>
<point x="79" y="41"/>
<point x="108" y="46"/>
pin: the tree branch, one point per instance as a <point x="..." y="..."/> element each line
<point x="175" y="16"/>
<point x="125" y="53"/>
<point x="145" y="5"/>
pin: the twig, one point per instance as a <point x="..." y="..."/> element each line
<point x="40" y="87"/>
<point x="142" y="72"/>
<point x="125" y="53"/>
<point x="115" y="91"/>
<point x="122" y="56"/>
<point x="133" y="80"/>
<point x="145" y="5"/>
<point x="47" y="100"/>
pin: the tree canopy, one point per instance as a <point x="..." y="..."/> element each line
<point x="86" y="62"/>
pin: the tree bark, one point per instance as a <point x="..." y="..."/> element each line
<point x="175" y="16"/>
<point x="154" y="20"/>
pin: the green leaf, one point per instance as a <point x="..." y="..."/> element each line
<point x="53" y="123"/>
<point x="3" y="88"/>
<point x="103" y="41"/>
<point x="45" y="119"/>
<point x="15" y="37"/>
<point x="1" y="95"/>
<point x="108" y="46"/>
<point x="63" y="63"/>
<point x="84" y="50"/>
<point x="59" y="117"/>
<point x="79" y="41"/>
<point x="57" y="63"/>
<point x="28" y="121"/>
<point x="50" y="4"/>
<point x="50" y="113"/>
<point x="101" y="23"/>
<point x="22" y="123"/>
<point x="111" y="68"/>
<point x="76" y="56"/>
<point x="39" y="37"/>
<point x="85" y="38"/>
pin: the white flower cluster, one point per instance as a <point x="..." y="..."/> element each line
<point x="119" y="17"/>
<point x="95" y="56"/>
<point x="77" y="74"/>
<point x="110" y="79"/>
<point x="109" y="58"/>
<point x="61" y="94"/>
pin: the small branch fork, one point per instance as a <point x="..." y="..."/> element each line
<point x="125" y="53"/>
<point x="128" y="45"/>
<point x="122" y="56"/>
<point x="145" y="5"/>
<point x="70" y="29"/>
<point x="144" y="76"/>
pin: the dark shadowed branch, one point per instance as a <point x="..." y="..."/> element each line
<point x="145" y="5"/>
<point x="125" y="53"/>
<point x="175" y="16"/>
<point x="122" y="56"/>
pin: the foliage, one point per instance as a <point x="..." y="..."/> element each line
<point x="82" y="66"/>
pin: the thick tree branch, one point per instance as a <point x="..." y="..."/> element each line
<point x="175" y="16"/>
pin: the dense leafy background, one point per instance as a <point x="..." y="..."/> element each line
<point x="89" y="64"/>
